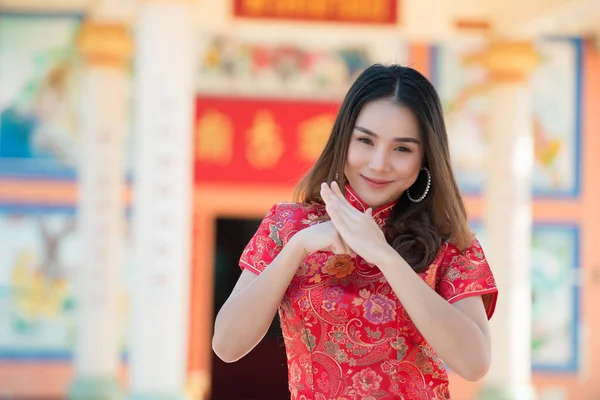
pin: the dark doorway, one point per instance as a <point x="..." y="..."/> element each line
<point x="261" y="374"/>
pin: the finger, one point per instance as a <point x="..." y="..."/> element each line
<point x="335" y="188"/>
<point x="335" y="213"/>
<point x="326" y="192"/>
<point x="340" y="224"/>
<point x="340" y="216"/>
<point x="338" y="246"/>
<point x="368" y="215"/>
<point x="332" y="206"/>
<point x="343" y="244"/>
<point x="345" y="205"/>
<point x="330" y="200"/>
<point x="337" y="191"/>
<point x="327" y="195"/>
<point x="349" y="250"/>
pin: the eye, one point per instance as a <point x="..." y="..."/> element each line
<point x="365" y="140"/>
<point x="403" y="149"/>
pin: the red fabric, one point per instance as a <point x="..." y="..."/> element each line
<point x="346" y="334"/>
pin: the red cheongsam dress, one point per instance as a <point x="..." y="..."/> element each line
<point x="347" y="337"/>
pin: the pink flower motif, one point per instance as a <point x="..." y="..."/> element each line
<point x="334" y="294"/>
<point x="295" y="373"/>
<point x="379" y="309"/>
<point x="442" y="391"/>
<point x="366" y="381"/>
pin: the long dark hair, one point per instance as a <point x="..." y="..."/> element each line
<point x="415" y="230"/>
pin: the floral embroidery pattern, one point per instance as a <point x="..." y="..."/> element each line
<point x="347" y="336"/>
<point x="366" y="382"/>
<point x="401" y="347"/>
<point x="431" y="276"/>
<point x="339" y="266"/>
<point x="379" y="310"/>
<point x="309" y="339"/>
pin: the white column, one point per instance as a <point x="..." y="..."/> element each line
<point x="508" y="217"/>
<point x="162" y="214"/>
<point x="104" y="98"/>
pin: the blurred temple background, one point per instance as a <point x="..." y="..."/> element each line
<point x="142" y="141"/>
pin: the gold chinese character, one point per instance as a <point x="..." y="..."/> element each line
<point x="264" y="143"/>
<point x="379" y="10"/>
<point x="317" y="9"/>
<point x="289" y="8"/>
<point x="313" y="135"/>
<point x="253" y="7"/>
<point x="349" y="10"/>
<point x="215" y="138"/>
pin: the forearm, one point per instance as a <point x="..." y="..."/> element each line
<point x="455" y="337"/>
<point x="246" y="316"/>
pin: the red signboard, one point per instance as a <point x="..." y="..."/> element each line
<point x="351" y="11"/>
<point x="259" y="141"/>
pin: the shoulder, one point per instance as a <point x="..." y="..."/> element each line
<point x="466" y="272"/>
<point x="290" y="217"/>
<point x="294" y="211"/>
<point x="452" y="255"/>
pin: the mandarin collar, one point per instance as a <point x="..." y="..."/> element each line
<point x="380" y="214"/>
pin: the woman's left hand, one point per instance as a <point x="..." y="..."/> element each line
<point x="359" y="230"/>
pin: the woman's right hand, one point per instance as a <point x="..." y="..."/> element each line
<point x="322" y="237"/>
<point x="248" y="312"/>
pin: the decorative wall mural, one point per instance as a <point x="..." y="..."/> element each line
<point x="556" y="114"/>
<point x="38" y="132"/>
<point x="555" y="291"/>
<point x="39" y="258"/>
<point x="261" y="66"/>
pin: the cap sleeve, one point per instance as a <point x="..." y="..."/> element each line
<point x="467" y="273"/>
<point x="265" y="245"/>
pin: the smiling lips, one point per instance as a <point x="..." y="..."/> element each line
<point x="376" y="183"/>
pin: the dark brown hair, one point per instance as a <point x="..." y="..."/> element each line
<point x="415" y="230"/>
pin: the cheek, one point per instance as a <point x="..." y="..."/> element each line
<point x="409" y="166"/>
<point x="354" y="158"/>
<point x="415" y="171"/>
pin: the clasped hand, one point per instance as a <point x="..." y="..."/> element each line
<point x="350" y="231"/>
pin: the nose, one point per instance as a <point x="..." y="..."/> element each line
<point x="379" y="161"/>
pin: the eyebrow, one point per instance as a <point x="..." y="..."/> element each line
<point x="397" y="139"/>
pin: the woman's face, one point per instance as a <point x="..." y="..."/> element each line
<point x="385" y="153"/>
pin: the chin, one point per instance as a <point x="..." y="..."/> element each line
<point x="374" y="197"/>
<point x="374" y="201"/>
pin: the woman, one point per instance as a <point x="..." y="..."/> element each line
<point x="375" y="273"/>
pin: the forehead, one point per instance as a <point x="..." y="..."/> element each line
<point x="388" y="119"/>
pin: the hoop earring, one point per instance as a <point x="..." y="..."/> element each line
<point x="420" y="199"/>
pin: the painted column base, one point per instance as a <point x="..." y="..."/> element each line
<point x="85" y="388"/>
<point x="498" y="393"/>
<point x="175" y="396"/>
